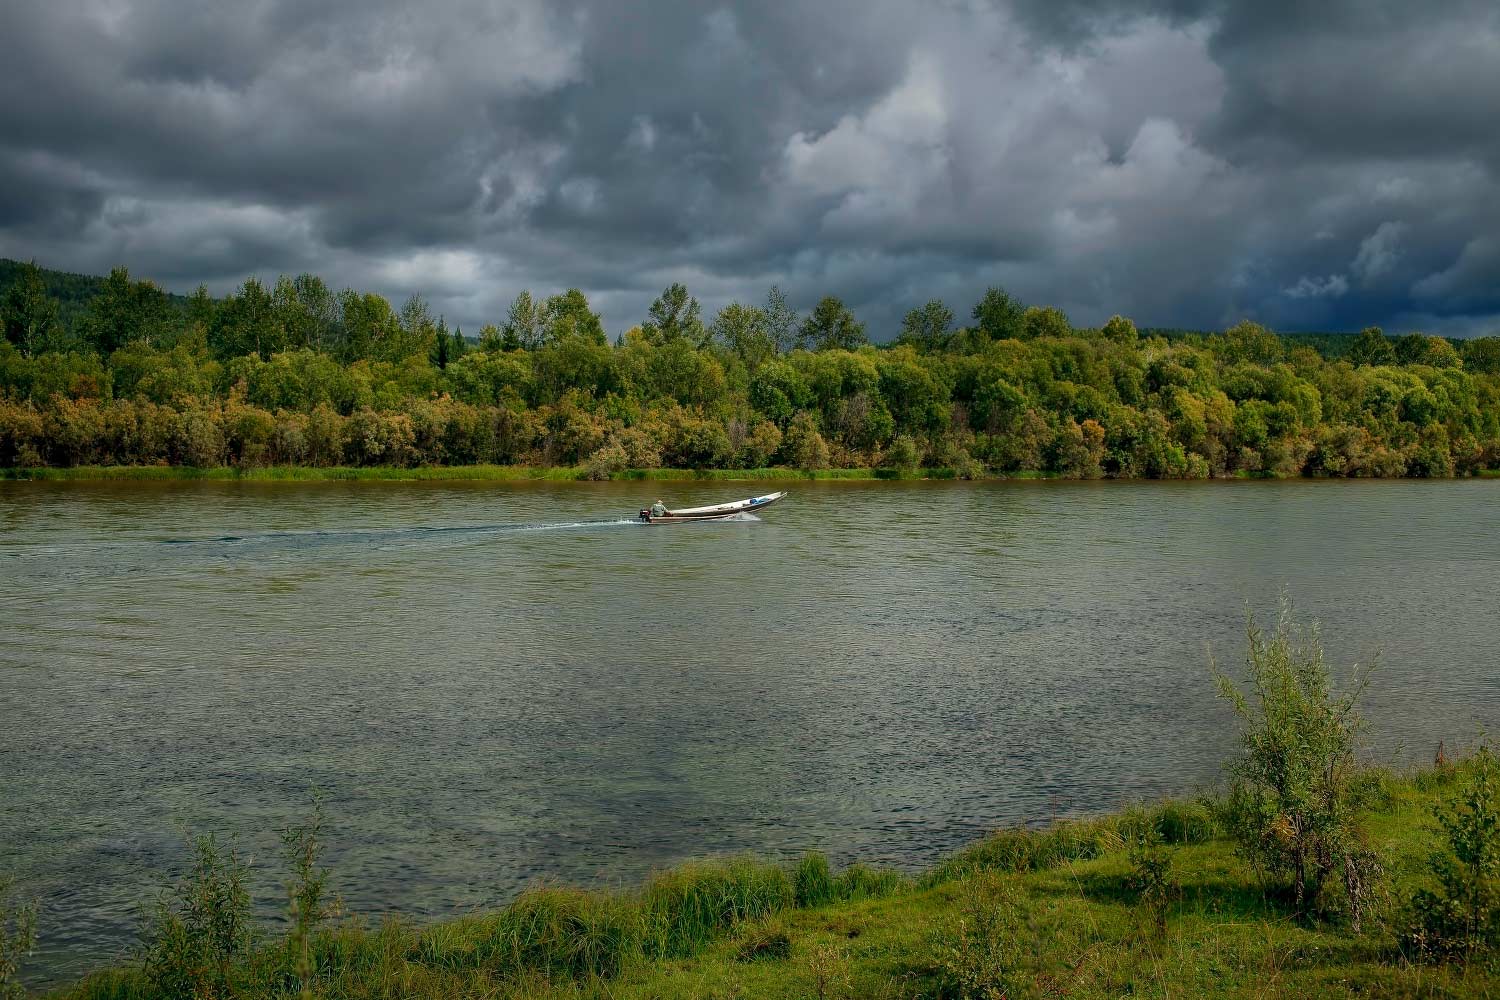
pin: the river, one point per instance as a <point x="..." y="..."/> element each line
<point x="488" y="684"/>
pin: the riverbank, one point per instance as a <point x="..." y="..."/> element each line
<point x="505" y="473"/>
<point x="1055" y="912"/>
<point x="467" y="473"/>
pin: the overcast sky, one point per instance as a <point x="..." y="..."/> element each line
<point x="1187" y="163"/>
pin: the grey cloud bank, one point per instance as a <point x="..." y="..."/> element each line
<point x="1312" y="166"/>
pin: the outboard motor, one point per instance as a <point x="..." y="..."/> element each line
<point x="646" y="515"/>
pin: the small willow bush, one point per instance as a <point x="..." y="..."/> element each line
<point x="1294" y="790"/>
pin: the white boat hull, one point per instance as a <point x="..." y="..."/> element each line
<point x="716" y="512"/>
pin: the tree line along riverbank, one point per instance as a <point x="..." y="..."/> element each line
<point x="1310" y="874"/>
<point x="115" y="372"/>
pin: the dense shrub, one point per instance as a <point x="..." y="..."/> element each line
<point x="980" y="954"/>
<point x="200" y="932"/>
<point x="1293" y="791"/>
<point x="803" y="446"/>
<point x="17" y="939"/>
<point x="1459" y="918"/>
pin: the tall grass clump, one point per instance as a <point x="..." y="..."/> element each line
<point x="556" y="932"/>
<point x="17" y="938"/>
<point x="1018" y="849"/>
<point x="813" y="881"/>
<point x="1460" y="919"/>
<point x="684" y="908"/>
<point x="865" y="882"/>
<point x="200" y="930"/>
<point x="1293" y="790"/>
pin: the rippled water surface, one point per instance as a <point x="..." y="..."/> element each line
<point x="494" y="683"/>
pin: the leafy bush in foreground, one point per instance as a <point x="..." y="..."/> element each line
<point x="1461" y="918"/>
<point x="17" y="938"/>
<point x="201" y="929"/>
<point x="1292" y="796"/>
<point x="978" y="957"/>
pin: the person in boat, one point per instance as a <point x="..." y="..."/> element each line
<point x="658" y="509"/>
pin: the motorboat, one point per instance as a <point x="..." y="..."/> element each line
<point x="659" y="514"/>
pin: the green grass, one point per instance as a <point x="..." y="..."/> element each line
<point x="741" y="928"/>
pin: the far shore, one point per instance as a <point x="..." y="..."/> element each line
<point x="518" y="473"/>
<point x="460" y="473"/>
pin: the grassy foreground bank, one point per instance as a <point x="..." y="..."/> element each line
<point x="1063" y="911"/>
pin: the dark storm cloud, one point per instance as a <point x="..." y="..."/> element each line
<point x="1188" y="162"/>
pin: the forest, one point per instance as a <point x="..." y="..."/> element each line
<point x="116" y="371"/>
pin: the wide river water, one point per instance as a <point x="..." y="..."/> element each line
<point x="489" y="684"/>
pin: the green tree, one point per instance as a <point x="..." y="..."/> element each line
<point x="1482" y="355"/>
<point x="126" y="310"/>
<point x="201" y="309"/>
<point x="1420" y="349"/>
<point x="1043" y="322"/>
<point x="490" y="339"/>
<point x="526" y="323"/>
<point x="1372" y="347"/>
<point x="29" y="314"/>
<point x="831" y="326"/>
<point x="367" y="322"/>
<point x="927" y="328"/>
<point x="295" y="321"/>
<point x="1120" y="330"/>
<point x="742" y="331"/>
<point x="247" y="323"/>
<point x="416" y="333"/>
<point x="999" y="315"/>
<point x="778" y="391"/>
<point x="675" y="315"/>
<point x="1411" y="349"/>
<point x="781" y="321"/>
<point x="803" y="445"/>
<point x="308" y="311"/>
<point x="1247" y="341"/>
<point x="567" y="314"/>
<point x="442" y="348"/>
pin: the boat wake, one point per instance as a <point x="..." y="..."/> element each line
<point x="303" y="538"/>
<point x="94" y="558"/>
<point x="397" y="534"/>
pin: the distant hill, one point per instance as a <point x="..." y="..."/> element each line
<point x="72" y="291"/>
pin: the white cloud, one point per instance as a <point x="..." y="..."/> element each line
<point x="642" y="137"/>
<point x="432" y="272"/>
<point x="1379" y="252"/>
<point x="1331" y="287"/>
<point x="888" y="153"/>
